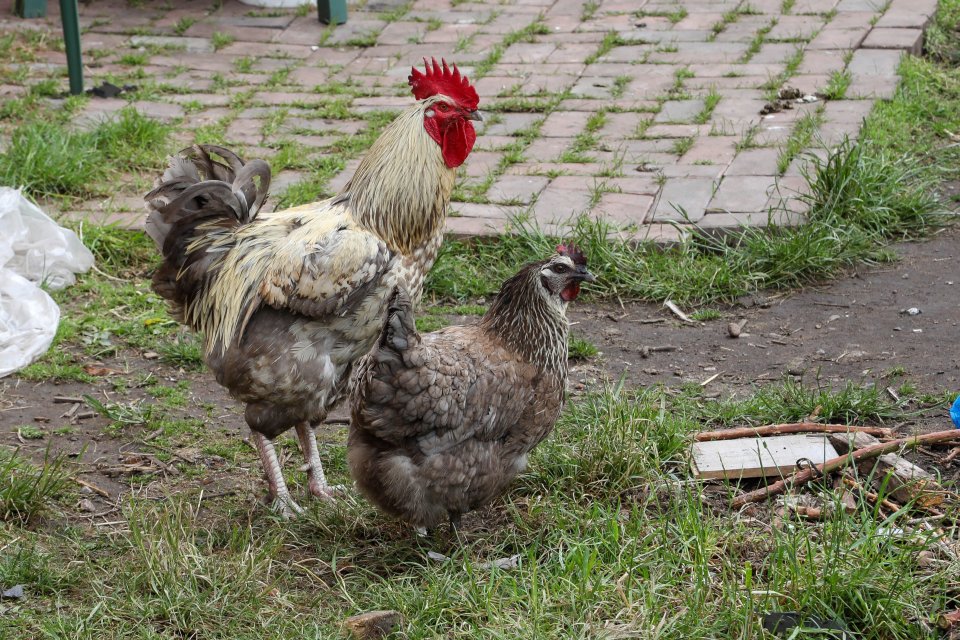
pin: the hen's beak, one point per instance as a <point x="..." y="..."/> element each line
<point x="582" y="274"/>
<point x="475" y="115"/>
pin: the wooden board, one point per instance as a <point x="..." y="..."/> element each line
<point x="758" y="457"/>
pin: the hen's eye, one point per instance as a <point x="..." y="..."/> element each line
<point x="561" y="268"/>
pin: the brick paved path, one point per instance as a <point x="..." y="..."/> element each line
<point x="643" y="111"/>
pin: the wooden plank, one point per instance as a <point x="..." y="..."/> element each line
<point x="758" y="457"/>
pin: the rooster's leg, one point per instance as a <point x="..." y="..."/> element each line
<point x="318" y="481"/>
<point x="282" y="502"/>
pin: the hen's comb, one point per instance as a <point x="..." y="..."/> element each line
<point x="573" y="252"/>
<point x="441" y="79"/>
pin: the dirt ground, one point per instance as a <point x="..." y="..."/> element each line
<point x="855" y="328"/>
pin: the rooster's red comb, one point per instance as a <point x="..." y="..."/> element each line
<point x="573" y="252"/>
<point x="441" y="79"/>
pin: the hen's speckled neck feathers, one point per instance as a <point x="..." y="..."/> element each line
<point x="531" y="322"/>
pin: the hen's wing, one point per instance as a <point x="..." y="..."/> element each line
<point x="312" y="260"/>
<point x="439" y="389"/>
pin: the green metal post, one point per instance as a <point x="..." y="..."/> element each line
<point x="71" y="40"/>
<point x="332" y="11"/>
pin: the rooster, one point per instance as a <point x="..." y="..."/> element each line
<point x="442" y="423"/>
<point x="287" y="301"/>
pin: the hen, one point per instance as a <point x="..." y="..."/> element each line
<point x="288" y="301"/>
<point x="442" y="423"/>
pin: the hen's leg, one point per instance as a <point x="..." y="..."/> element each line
<point x="282" y="502"/>
<point x="318" y="481"/>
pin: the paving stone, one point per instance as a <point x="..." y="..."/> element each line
<point x="846" y="111"/>
<point x="517" y="189"/>
<point x="639" y="75"/>
<point x="809" y="7"/>
<point x="619" y="126"/>
<point x="908" y="13"/>
<point x="559" y="205"/>
<point x="874" y="62"/>
<point x="564" y="124"/>
<point x="872" y="87"/>
<point x="679" y="111"/>
<point x="683" y="199"/>
<point x="834" y="38"/>
<point x="910" y="40"/>
<point x="742" y="193"/>
<point x="624" y="208"/>
<point x="794" y="27"/>
<point x="719" y="150"/>
<point x="676" y="130"/>
<point x="190" y="45"/>
<point x="754" y="162"/>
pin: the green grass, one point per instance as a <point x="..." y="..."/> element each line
<point x="48" y="158"/>
<point x="221" y="40"/>
<point x="580" y="348"/>
<point x="804" y="130"/>
<point x="613" y="534"/>
<point x="28" y="490"/>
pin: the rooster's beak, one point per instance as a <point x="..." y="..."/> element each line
<point x="583" y="274"/>
<point x="475" y="115"/>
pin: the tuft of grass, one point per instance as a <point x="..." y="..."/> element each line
<point x="48" y="158"/>
<point x="27" y="490"/>
<point x="836" y="88"/>
<point x="580" y="348"/>
<point x="184" y="352"/>
<point x="221" y="40"/>
<point x="803" y="133"/>
<point x="704" y="315"/>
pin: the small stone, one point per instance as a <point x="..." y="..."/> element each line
<point x="912" y="311"/>
<point x="918" y="330"/>
<point x="86" y="505"/>
<point x="151" y="355"/>
<point x="85" y="491"/>
<point x="926" y="559"/>
<point x="13" y="593"/>
<point x="373" y="624"/>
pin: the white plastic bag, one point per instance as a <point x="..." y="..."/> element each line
<point x="33" y="250"/>
<point x="36" y="247"/>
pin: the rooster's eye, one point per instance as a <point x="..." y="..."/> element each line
<point x="561" y="268"/>
<point x="443" y="106"/>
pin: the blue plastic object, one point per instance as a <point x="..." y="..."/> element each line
<point x="955" y="412"/>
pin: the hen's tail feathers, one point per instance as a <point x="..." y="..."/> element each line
<point x="198" y="201"/>
<point x="400" y="330"/>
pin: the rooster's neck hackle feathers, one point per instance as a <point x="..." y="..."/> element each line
<point x="533" y="324"/>
<point x="402" y="187"/>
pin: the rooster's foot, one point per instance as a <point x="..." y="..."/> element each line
<point x="328" y="492"/>
<point x="287" y="508"/>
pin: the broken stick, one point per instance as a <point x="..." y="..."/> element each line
<point x="793" y="427"/>
<point x="808" y="474"/>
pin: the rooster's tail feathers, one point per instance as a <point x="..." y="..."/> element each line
<point x="198" y="190"/>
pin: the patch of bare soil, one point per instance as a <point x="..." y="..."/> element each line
<point x="856" y="328"/>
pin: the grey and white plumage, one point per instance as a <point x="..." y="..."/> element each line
<point x="287" y="301"/>
<point x="442" y="423"/>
